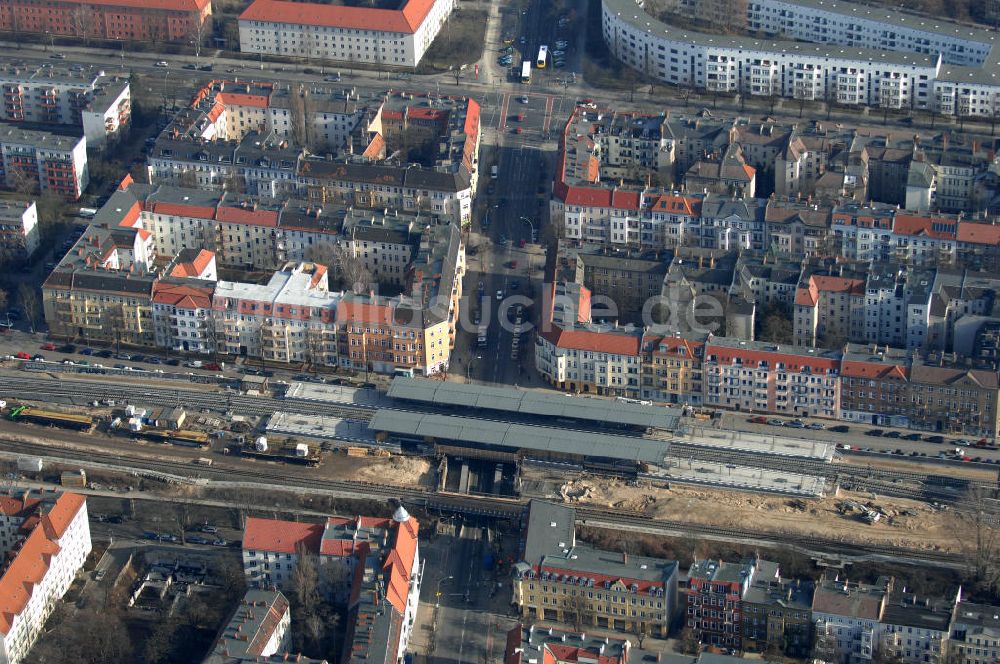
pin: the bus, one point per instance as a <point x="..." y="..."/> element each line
<point x="543" y="55"/>
<point x="526" y="72"/>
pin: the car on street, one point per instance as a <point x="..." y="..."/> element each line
<point x="120" y="367"/>
<point x="100" y="574"/>
<point x="816" y="426"/>
<point x="912" y="436"/>
<point x="876" y="433"/>
<point x="150" y="535"/>
<point x="758" y="419"/>
<point x="153" y="360"/>
<point x="67" y="348"/>
<point x="168" y="538"/>
<point x="522" y="40"/>
<point x="211" y="530"/>
<point x="220" y="542"/>
<point x="512" y="265"/>
<point x="58" y="56"/>
<point x="174" y="362"/>
<point x="523" y="99"/>
<point x="213" y="366"/>
<point x="558" y="54"/>
<point x="48" y="346"/>
<point x="499" y="294"/>
<point x="562" y="44"/>
<point x="161" y="63"/>
<point x="775" y="422"/>
<point x="559" y="64"/>
<point x="333" y="79"/>
<point x="190" y="66"/>
<point x="937" y="440"/>
<point x="516" y="284"/>
<point x="892" y="434"/>
<point x="23" y="356"/>
<point x="796" y="424"/>
<point x="38" y="357"/>
<point x="197" y="539"/>
<point x="104" y="353"/>
<point x="962" y="442"/>
<point x="87" y="351"/>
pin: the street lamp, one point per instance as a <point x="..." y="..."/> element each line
<point x="437" y="595"/>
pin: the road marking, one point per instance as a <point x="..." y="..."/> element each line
<point x="503" y="111"/>
<point x="548" y="114"/>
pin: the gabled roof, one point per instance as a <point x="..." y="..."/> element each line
<point x="406" y="20"/>
<point x="858" y="369"/>
<point x="281" y="536"/>
<point x="906" y="224"/>
<point x="616" y="343"/>
<point x="979" y="233"/>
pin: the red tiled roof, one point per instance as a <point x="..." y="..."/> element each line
<point x="399" y="563"/>
<point x="860" y="369"/>
<point x="182" y="210"/>
<point x="241" y="99"/>
<point x="365" y="312"/>
<point x="599" y="579"/>
<point x="406" y="20"/>
<point x="195" y="267"/>
<point x="281" y="536"/>
<point x="978" y="233"/>
<point x="673" y="344"/>
<point x="598" y="342"/>
<point x="374" y="149"/>
<point x="186" y="297"/>
<point x="752" y="357"/>
<point x="807" y="297"/>
<point x="32" y="560"/>
<point x="831" y="284"/>
<point x="906" y="224"/>
<point x="677" y="205"/>
<point x="236" y="215"/>
<point x="564" y="653"/>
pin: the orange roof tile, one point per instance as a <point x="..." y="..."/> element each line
<point x="186" y="297"/>
<point x="858" y="369"/>
<point x="363" y="312"/>
<point x="831" y="284"/>
<point x="598" y="342"/>
<point x="235" y="215"/>
<point x="241" y="99"/>
<point x="406" y="20"/>
<point x="978" y="233"/>
<point x="281" y="536"/>
<point x="32" y="560"/>
<point x="906" y="224"/>
<point x="399" y="563"/>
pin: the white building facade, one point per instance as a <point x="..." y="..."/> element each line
<point x="379" y="36"/>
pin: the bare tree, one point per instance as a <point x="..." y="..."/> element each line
<point x="306" y="599"/>
<point x="300" y="111"/>
<point x="347" y="269"/>
<point x="84" y="19"/>
<point x="28" y="297"/>
<point x="979" y="539"/>
<point x="20" y="179"/>
<point x="199" y="30"/>
<point x="187" y="178"/>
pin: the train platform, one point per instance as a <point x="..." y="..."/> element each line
<point x="730" y="476"/>
<point x="746" y="442"/>
<point x="337" y="394"/>
<point x="320" y="427"/>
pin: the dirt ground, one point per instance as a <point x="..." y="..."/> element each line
<point x="904" y="523"/>
<point x="399" y="470"/>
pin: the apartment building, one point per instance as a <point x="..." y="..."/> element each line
<point x="82" y="96"/>
<point x="828" y="309"/>
<point x="725" y="174"/>
<point x="625" y="282"/>
<point x="291" y="318"/>
<point x="671" y="368"/>
<point x="841" y="51"/>
<point x="396" y="37"/>
<point x="531" y="644"/>
<point x="975" y="633"/>
<point x="262" y="154"/>
<point x="864" y="232"/>
<point x="19" y="236"/>
<point x="45" y="539"/>
<point x="374" y="563"/>
<point x="183" y="318"/>
<point x="777" y="612"/>
<point x="591" y="359"/>
<point x="167" y="20"/>
<point x="874" y="385"/>
<point x="714" y="596"/>
<point x="953" y="399"/>
<point x="847" y="617"/>
<point x="260" y="627"/>
<point x="915" y="629"/>
<point x="562" y="580"/>
<point x="35" y="160"/>
<point x="771" y="378"/>
<point x="101" y="291"/>
<point x="767" y="279"/>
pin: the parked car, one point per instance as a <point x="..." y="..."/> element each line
<point x="23" y="356"/>
<point x="877" y="433"/>
<point x="962" y="442"/>
<point x="213" y="366"/>
<point x="38" y="357"/>
<point x="154" y="360"/>
<point x="775" y="422"/>
<point x="174" y="362"/>
<point x="816" y="426"/>
<point x="893" y="434"/>
<point x="150" y="535"/>
<point x="48" y="346"/>
<point x="758" y="419"/>
<point x="220" y="542"/>
<point x="912" y="436"/>
<point x="209" y="529"/>
<point x="161" y="63"/>
<point x="796" y="424"/>
<point x="197" y="539"/>
<point x="67" y="348"/>
<point x="104" y="353"/>
<point x="937" y="440"/>
<point x="87" y="351"/>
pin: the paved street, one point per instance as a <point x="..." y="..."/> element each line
<point x="466" y="623"/>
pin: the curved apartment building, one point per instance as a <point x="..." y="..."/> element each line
<point x="828" y="51"/>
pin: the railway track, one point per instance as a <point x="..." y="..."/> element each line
<point x="485" y="505"/>
<point x="880" y="481"/>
